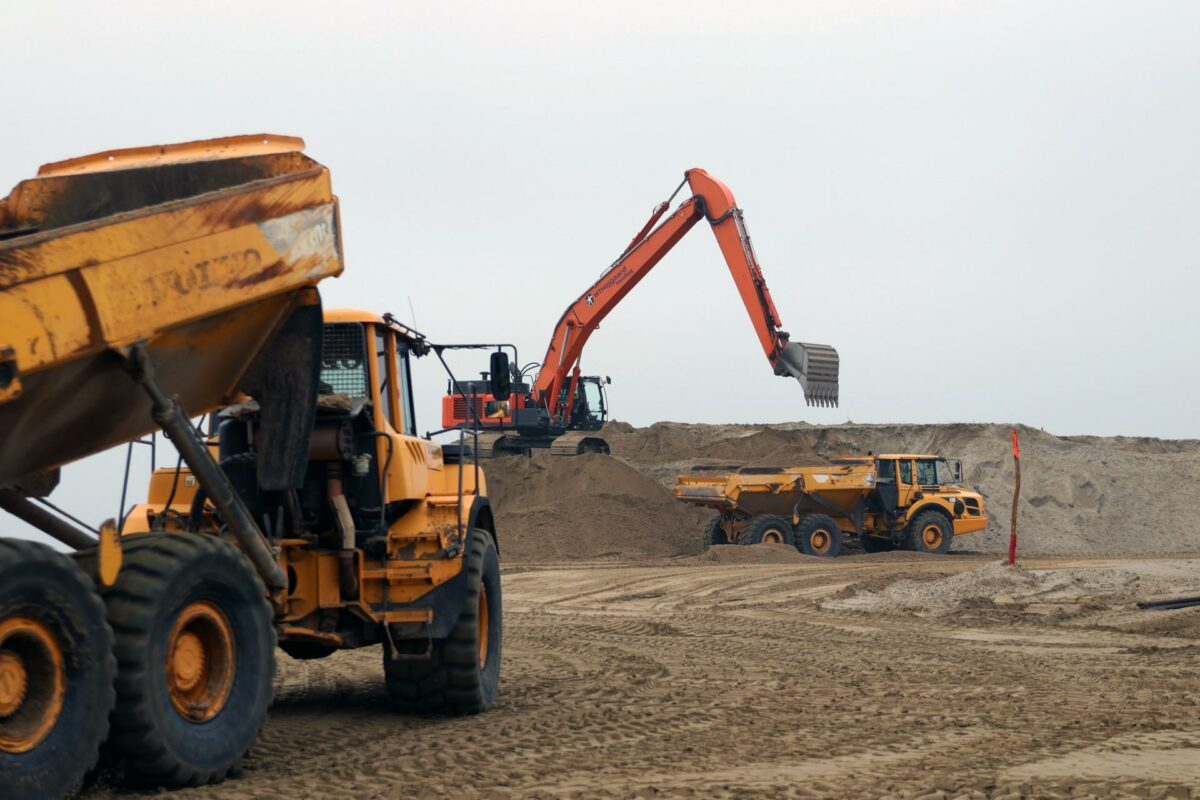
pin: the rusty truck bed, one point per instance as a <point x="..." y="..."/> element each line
<point x="774" y="490"/>
<point x="198" y="251"/>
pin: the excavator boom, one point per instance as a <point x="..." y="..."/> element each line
<point x="815" y="366"/>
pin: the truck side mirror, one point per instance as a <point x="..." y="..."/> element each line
<point x="500" y="377"/>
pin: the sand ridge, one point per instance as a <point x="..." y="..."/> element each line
<point x="1082" y="495"/>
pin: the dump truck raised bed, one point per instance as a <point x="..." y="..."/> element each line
<point x="888" y="501"/>
<point x="140" y="288"/>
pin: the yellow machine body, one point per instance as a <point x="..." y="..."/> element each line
<point x="437" y="501"/>
<point x="198" y="252"/>
<point x="852" y="490"/>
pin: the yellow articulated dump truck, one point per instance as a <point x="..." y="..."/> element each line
<point x="912" y="501"/>
<point x="140" y="289"/>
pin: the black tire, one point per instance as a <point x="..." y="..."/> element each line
<point x="818" y="535"/>
<point x="47" y="602"/>
<point x="873" y="544"/>
<point x="767" y="528"/>
<point x="452" y="680"/>
<point x="930" y="532"/>
<point x="307" y="651"/>
<point x="167" y="580"/>
<point x="714" y="533"/>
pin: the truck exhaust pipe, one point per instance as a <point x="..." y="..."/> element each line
<point x="344" y="521"/>
<point x="815" y="366"/>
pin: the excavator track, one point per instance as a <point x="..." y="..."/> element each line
<point x="486" y="444"/>
<point x="579" y="443"/>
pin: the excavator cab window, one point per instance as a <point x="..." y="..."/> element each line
<point x="594" y="400"/>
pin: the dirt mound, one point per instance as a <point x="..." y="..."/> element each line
<point x="1000" y="584"/>
<point x="551" y="508"/>
<point x="1080" y="494"/>
<point x="755" y="554"/>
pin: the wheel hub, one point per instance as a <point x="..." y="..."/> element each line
<point x="14" y="681"/>
<point x="32" y="683"/>
<point x="820" y="541"/>
<point x="773" y="537"/>
<point x="200" y="662"/>
<point x="483" y="626"/>
<point x="189" y="661"/>
<point x="932" y="536"/>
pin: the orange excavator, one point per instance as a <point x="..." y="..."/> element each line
<point x="562" y="410"/>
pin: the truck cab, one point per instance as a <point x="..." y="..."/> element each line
<point x="909" y="486"/>
<point x="380" y="525"/>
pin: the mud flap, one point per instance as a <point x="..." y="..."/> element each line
<point x="284" y="379"/>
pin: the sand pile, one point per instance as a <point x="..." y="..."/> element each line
<point x="1080" y="494"/>
<point x="1003" y="585"/>
<point x="550" y="508"/>
<point x="754" y="554"/>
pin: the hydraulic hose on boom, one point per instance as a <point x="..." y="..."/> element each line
<point x="815" y="366"/>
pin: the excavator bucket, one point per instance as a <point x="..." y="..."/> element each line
<point x="815" y="366"/>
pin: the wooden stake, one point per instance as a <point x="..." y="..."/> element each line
<point x="1012" y="540"/>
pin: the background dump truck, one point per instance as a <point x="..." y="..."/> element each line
<point x="889" y="501"/>
<point x="138" y="289"/>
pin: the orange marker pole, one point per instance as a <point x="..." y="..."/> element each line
<point x="1012" y="539"/>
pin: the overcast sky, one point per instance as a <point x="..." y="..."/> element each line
<point x="989" y="209"/>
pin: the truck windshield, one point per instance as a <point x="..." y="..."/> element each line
<point x="927" y="471"/>
<point x="949" y="471"/>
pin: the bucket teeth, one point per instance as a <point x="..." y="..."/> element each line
<point x="816" y="367"/>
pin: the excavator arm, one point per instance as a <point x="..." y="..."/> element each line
<point x="815" y="366"/>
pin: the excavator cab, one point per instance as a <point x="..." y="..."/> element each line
<point x="589" y="406"/>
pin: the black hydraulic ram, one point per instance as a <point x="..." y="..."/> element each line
<point x="16" y="503"/>
<point x="171" y="418"/>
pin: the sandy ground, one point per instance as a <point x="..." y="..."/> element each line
<point x="690" y="678"/>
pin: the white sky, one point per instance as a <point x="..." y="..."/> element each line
<point x="990" y="209"/>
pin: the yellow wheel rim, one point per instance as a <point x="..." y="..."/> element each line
<point x="483" y="626"/>
<point x="772" y="536"/>
<point x="200" y="662"/>
<point x="932" y="536"/>
<point x="32" y="683"/>
<point x="820" y="540"/>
